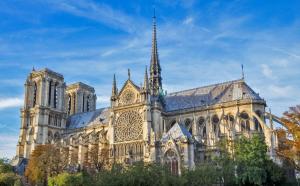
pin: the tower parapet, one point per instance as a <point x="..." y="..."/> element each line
<point x="80" y="97"/>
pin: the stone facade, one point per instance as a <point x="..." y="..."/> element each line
<point x="142" y="123"/>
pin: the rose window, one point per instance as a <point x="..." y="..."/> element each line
<point x="129" y="126"/>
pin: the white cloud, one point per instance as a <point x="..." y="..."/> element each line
<point x="188" y="21"/>
<point x="267" y="71"/>
<point x="10" y="102"/>
<point x="8" y="145"/>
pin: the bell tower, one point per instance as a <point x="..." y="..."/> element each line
<point x="43" y="115"/>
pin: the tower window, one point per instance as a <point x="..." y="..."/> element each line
<point x="88" y="104"/>
<point x="83" y="103"/>
<point x="69" y="104"/>
<point x="55" y="95"/>
<point x="49" y="93"/>
<point x="34" y="94"/>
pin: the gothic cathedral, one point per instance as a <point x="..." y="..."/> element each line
<point x="143" y="123"/>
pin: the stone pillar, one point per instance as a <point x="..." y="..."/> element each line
<point x="42" y="89"/>
<point x="46" y="92"/>
<point x="52" y="94"/>
<point x="27" y="94"/>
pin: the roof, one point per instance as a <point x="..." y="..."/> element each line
<point x="210" y="95"/>
<point x="80" y="85"/>
<point x="99" y="116"/>
<point x="177" y="132"/>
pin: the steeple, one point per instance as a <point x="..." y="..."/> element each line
<point x="114" y="91"/>
<point x="155" y="70"/>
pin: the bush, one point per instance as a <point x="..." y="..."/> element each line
<point x="7" y="179"/>
<point x="66" y="179"/>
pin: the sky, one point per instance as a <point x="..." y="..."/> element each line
<point x="199" y="42"/>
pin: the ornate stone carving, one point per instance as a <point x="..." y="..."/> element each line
<point x="128" y="97"/>
<point x="129" y="126"/>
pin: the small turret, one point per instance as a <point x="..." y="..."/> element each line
<point x="114" y="91"/>
<point x="146" y="81"/>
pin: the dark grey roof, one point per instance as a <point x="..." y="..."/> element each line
<point x="210" y="95"/>
<point x="99" y="116"/>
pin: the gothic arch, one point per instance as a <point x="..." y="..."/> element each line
<point x="215" y="121"/>
<point x="171" y="161"/>
<point x="201" y="125"/>
<point x="50" y="137"/>
<point x="188" y="123"/>
<point x="244" y="122"/>
<point x="56" y="136"/>
<point x="171" y="124"/>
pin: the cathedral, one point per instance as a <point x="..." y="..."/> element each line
<point x="142" y="123"/>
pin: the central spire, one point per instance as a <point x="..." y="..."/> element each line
<point x="155" y="70"/>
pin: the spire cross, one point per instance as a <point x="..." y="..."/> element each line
<point x="243" y="75"/>
<point x="128" y="73"/>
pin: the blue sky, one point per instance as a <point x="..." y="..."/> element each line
<point x="200" y="43"/>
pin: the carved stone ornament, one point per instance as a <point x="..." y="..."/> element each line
<point x="128" y="97"/>
<point x="129" y="126"/>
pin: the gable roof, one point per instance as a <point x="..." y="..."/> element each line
<point x="129" y="81"/>
<point x="210" y="95"/>
<point x="177" y="132"/>
<point x="99" y="116"/>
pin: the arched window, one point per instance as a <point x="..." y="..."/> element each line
<point x="245" y="123"/>
<point x="188" y="125"/>
<point x="204" y="132"/>
<point x="229" y="120"/>
<point x="171" y="161"/>
<point x="74" y="103"/>
<point x="88" y="104"/>
<point x="171" y="124"/>
<point x="215" y="121"/>
<point x="56" y="136"/>
<point x="69" y="104"/>
<point x="34" y="93"/>
<point x="83" y="103"/>
<point x="202" y="127"/>
<point x="55" y="95"/>
<point x="50" y="137"/>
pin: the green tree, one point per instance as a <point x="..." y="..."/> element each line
<point x="7" y="176"/>
<point x="66" y="179"/>
<point x="253" y="164"/>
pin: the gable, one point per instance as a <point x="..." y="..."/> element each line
<point x="129" y="94"/>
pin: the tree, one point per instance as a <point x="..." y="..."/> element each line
<point x="289" y="137"/>
<point x="45" y="161"/>
<point x="66" y="179"/>
<point x="253" y="165"/>
<point x="7" y="177"/>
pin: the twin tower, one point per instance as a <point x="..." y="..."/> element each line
<point x="48" y="102"/>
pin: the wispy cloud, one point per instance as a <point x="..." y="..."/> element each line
<point x="97" y="11"/>
<point x="267" y="71"/>
<point x="11" y="102"/>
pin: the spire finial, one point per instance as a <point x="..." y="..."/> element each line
<point x="33" y="69"/>
<point x="146" y="85"/>
<point x="243" y="75"/>
<point x="128" y="73"/>
<point x="114" y="87"/>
